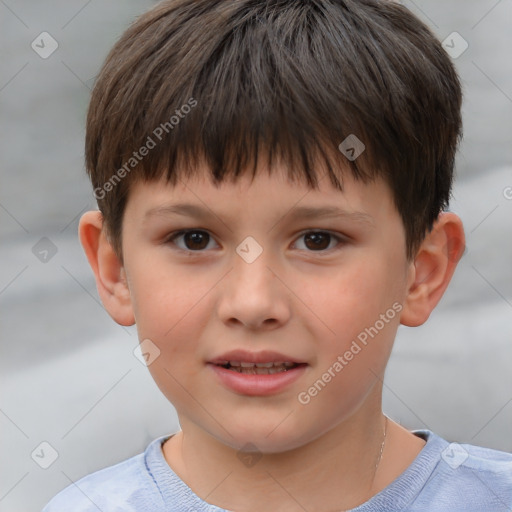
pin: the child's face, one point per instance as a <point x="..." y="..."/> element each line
<point x="305" y="298"/>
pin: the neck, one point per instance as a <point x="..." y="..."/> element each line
<point x="343" y="468"/>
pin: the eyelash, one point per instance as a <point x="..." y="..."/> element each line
<point x="191" y="252"/>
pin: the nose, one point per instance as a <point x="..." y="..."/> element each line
<point x="253" y="295"/>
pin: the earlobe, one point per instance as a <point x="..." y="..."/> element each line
<point x="432" y="269"/>
<point x="108" y="270"/>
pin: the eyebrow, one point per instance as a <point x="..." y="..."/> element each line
<point x="298" y="213"/>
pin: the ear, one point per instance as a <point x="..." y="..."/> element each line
<point x="108" y="270"/>
<point x="432" y="268"/>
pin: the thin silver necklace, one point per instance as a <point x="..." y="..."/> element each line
<point x="378" y="461"/>
<point x="381" y="446"/>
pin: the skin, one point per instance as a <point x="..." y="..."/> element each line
<point x="294" y="298"/>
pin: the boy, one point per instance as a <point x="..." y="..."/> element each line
<point x="271" y="345"/>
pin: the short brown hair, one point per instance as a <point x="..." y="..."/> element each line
<point x="279" y="78"/>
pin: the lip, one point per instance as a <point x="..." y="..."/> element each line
<point x="251" y="384"/>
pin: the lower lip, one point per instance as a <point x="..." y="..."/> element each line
<point x="257" y="385"/>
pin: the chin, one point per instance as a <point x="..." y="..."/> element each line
<point x="268" y="437"/>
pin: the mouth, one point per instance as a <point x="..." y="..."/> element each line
<point x="261" y="373"/>
<point x="268" y="368"/>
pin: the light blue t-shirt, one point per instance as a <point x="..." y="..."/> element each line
<point x="443" y="477"/>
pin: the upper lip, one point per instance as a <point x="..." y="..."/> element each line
<point x="245" y="356"/>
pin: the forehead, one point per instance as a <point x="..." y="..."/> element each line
<point x="269" y="196"/>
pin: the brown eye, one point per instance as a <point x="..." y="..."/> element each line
<point x="193" y="240"/>
<point x="196" y="240"/>
<point x="319" y="241"/>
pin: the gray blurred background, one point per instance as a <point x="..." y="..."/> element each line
<point x="69" y="376"/>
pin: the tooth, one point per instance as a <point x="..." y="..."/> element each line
<point x="259" y="368"/>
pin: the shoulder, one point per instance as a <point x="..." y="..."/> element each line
<point x="469" y="478"/>
<point x="127" y="487"/>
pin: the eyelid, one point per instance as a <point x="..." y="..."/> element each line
<point x="341" y="239"/>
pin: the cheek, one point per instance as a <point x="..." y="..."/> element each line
<point x="352" y="298"/>
<point x="360" y="305"/>
<point x="170" y="311"/>
<point x="168" y="304"/>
